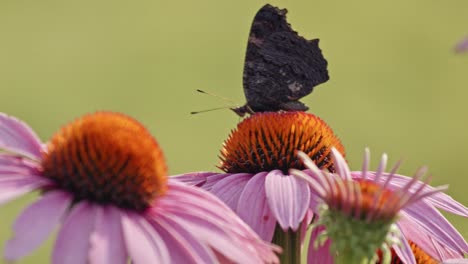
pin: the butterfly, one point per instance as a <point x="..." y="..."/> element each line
<point x="280" y="67"/>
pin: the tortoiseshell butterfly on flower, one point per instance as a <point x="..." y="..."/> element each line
<point x="280" y="66"/>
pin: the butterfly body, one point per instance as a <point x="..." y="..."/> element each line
<point x="280" y="66"/>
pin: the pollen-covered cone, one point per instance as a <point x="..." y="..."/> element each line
<point x="102" y="180"/>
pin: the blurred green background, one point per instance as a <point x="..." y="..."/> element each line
<point x="396" y="86"/>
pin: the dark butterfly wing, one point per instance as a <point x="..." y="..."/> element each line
<point x="280" y="66"/>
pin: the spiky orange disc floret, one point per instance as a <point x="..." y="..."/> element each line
<point x="268" y="141"/>
<point x="419" y="254"/>
<point x="382" y="203"/>
<point x="107" y="158"/>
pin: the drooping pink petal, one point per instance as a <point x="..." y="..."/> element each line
<point x="73" y="240"/>
<point x="13" y="186"/>
<point x="17" y="165"/>
<point x="455" y="261"/>
<point x="288" y="197"/>
<point x="184" y="247"/>
<point x="219" y="239"/>
<point x="202" y="208"/>
<point x="181" y="197"/>
<point x="213" y="179"/>
<point x="436" y="225"/>
<point x="421" y="209"/>
<point x="16" y="136"/>
<point x="35" y="223"/>
<point x="229" y="189"/>
<point x="404" y="252"/>
<point x="427" y="241"/>
<point x="253" y="207"/>
<point x="106" y="242"/>
<point x="144" y="244"/>
<point x="194" y="178"/>
<point x="320" y="254"/>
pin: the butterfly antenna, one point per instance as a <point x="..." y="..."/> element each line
<point x="209" y="110"/>
<point x="215" y="95"/>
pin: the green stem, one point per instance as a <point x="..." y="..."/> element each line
<point x="291" y="243"/>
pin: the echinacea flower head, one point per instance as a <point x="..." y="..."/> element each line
<point x="256" y="158"/>
<point x="103" y="181"/>
<point x="366" y="217"/>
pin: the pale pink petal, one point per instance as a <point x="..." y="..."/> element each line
<point x="405" y="253"/>
<point x="13" y="186"/>
<point x="213" y="179"/>
<point x="35" y="223"/>
<point x="107" y="243"/>
<point x="187" y="203"/>
<point x="320" y="254"/>
<point x="144" y="244"/>
<point x="17" y="165"/>
<point x="253" y="207"/>
<point x="436" y="226"/>
<point x="420" y="210"/>
<point x="288" y="197"/>
<point x="455" y="261"/>
<point x="426" y="240"/>
<point x="218" y="238"/>
<point x="193" y="178"/>
<point x="16" y="136"/>
<point x="184" y="246"/>
<point x="73" y="240"/>
<point x="229" y="189"/>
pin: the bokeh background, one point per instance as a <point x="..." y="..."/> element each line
<point x="396" y="85"/>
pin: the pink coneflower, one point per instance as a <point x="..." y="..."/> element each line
<point x="462" y="46"/>
<point x="256" y="158"/>
<point x="103" y="181"/>
<point x="364" y="216"/>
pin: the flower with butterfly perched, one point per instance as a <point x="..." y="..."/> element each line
<point x="103" y="180"/>
<point x="360" y="212"/>
<point x="256" y="158"/>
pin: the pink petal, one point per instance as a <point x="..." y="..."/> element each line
<point x="184" y="202"/>
<point x="73" y="240"/>
<point x="17" y="137"/>
<point x="143" y="242"/>
<point x="193" y="178"/>
<point x="230" y="188"/>
<point x="17" y="165"/>
<point x="13" y="186"/>
<point x="184" y="246"/>
<point x="455" y="261"/>
<point x="221" y="240"/>
<point x="436" y="226"/>
<point x="433" y="245"/>
<point x="321" y="254"/>
<point x="107" y="243"/>
<point x="288" y="197"/>
<point x="404" y="252"/>
<point x="253" y="207"/>
<point x="213" y="179"/>
<point x="35" y="224"/>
